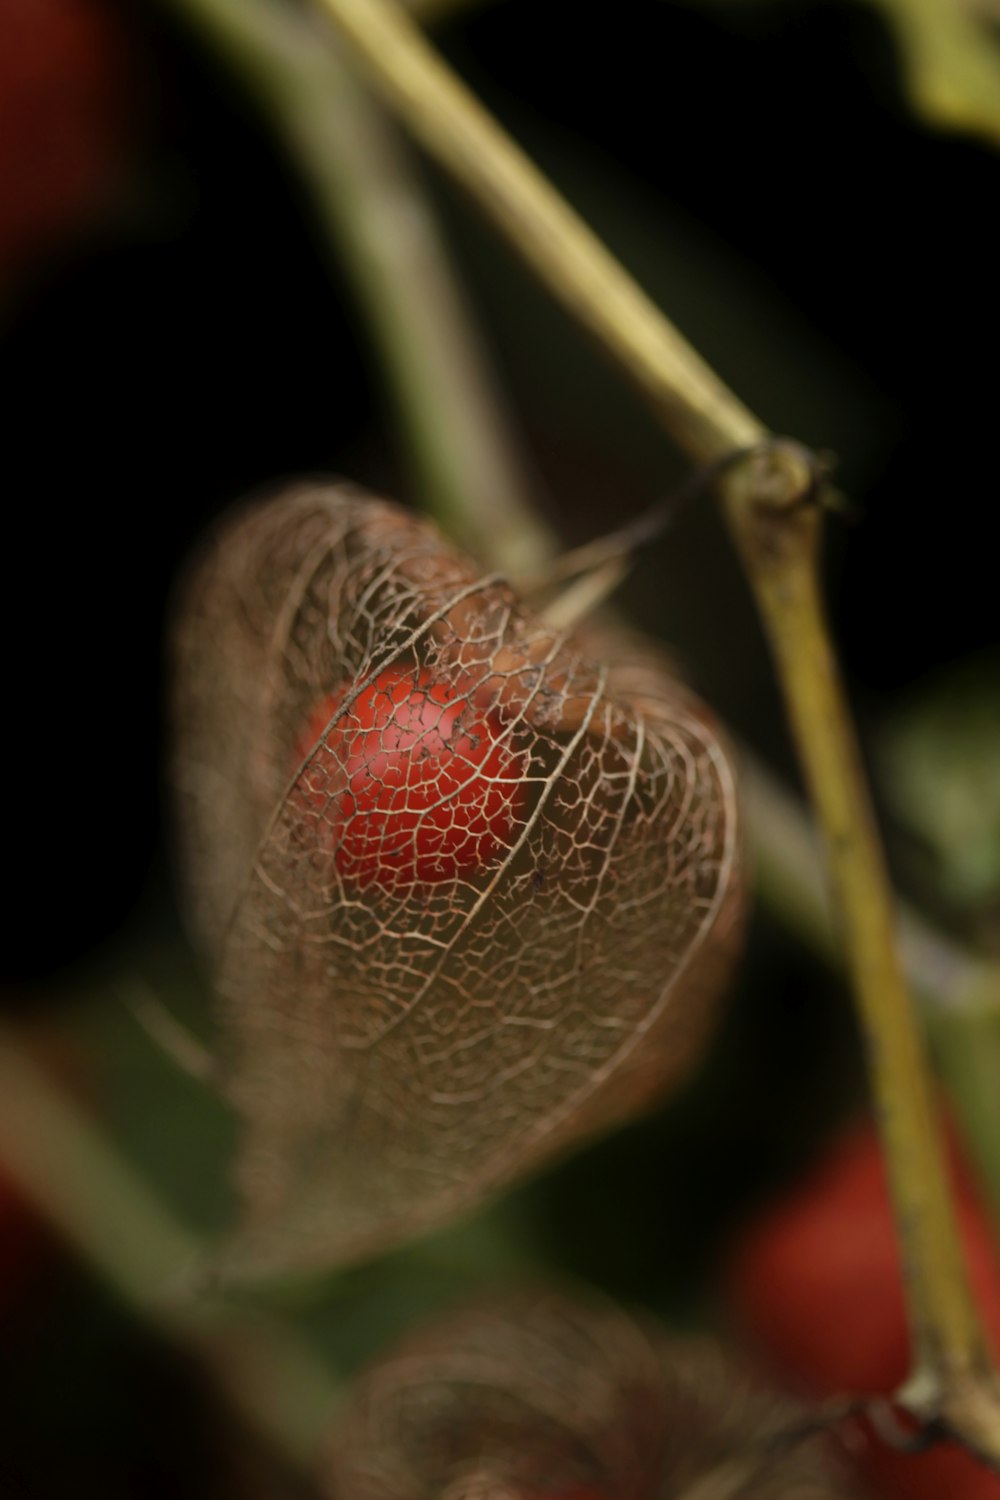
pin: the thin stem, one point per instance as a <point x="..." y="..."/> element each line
<point x="173" y="1039"/>
<point x="705" y="418"/>
<point x="778" y="538"/>
<point x="377" y="217"/>
<point x="83" y="1186"/>
<point x="579" y="600"/>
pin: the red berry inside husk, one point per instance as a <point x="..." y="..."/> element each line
<point x="414" y="783"/>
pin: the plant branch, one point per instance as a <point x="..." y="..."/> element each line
<point x="777" y="533"/>
<point x="377" y="218"/>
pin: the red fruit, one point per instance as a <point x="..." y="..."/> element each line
<point x="433" y="788"/>
<point x="817" y="1284"/>
<point x="64" y="86"/>
<point x="25" y="1250"/>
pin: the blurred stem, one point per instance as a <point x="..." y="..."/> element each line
<point x="82" y="1185"/>
<point x="377" y="218"/>
<point x="76" y="1177"/>
<point x="776" y="529"/>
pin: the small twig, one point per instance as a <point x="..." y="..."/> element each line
<point x="168" y="1034"/>
<point x="896" y="1433"/>
<point x="623" y="544"/>
<point x="585" y="594"/>
<point x="599" y="567"/>
<point x="731" y="1478"/>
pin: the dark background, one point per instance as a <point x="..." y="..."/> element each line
<point x="758" y="167"/>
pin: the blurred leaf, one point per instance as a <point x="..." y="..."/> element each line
<point x="941" y="774"/>
<point x="951" y="62"/>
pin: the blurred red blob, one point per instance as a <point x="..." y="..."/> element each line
<point x="63" y="108"/>
<point x="816" y="1283"/>
<point x="434" y="789"/>
<point x="26" y="1251"/>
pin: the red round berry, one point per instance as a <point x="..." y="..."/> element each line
<point x="816" y="1281"/>
<point x="64" y="118"/>
<point x="414" y="783"/>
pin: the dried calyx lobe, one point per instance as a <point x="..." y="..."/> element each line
<point x="538" y="1396"/>
<point x="470" y="895"/>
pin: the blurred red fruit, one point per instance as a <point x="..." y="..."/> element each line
<point x="816" y="1284"/>
<point x="25" y="1250"/>
<point x="63" y="85"/>
<point x="434" y="789"/>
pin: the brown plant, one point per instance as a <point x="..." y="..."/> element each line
<point x="398" y="1046"/>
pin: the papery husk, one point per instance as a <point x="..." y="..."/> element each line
<point x="532" y="1394"/>
<point x="396" y="1053"/>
